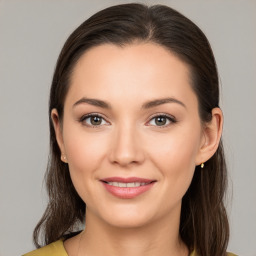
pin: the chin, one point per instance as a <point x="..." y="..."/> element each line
<point x="128" y="218"/>
<point x="127" y="222"/>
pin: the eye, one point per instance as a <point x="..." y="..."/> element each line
<point x="93" y="120"/>
<point x="162" y="120"/>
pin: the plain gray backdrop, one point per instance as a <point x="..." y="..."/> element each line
<point x="32" y="33"/>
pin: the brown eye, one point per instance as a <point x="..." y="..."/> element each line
<point x="162" y="120"/>
<point x="93" y="120"/>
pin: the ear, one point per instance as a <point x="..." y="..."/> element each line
<point x="212" y="132"/>
<point x="58" y="133"/>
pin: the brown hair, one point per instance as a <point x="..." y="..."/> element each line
<point x="204" y="224"/>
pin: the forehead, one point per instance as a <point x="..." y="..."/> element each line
<point x="141" y="70"/>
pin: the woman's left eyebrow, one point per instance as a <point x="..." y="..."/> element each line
<point x="157" y="102"/>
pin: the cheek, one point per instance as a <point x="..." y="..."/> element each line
<point x="175" y="156"/>
<point x="84" y="152"/>
<point x="84" y="149"/>
<point x="178" y="149"/>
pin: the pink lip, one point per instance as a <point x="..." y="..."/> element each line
<point x="127" y="180"/>
<point x="127" y="192"/>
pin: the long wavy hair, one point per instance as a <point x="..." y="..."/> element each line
<point x="204" y="224"/>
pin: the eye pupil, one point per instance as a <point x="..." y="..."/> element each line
<point x="160" y="120"/>
<point x="96" y="120"/>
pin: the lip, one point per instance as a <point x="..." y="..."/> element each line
<point x="127" y="192"/>
<point x="127" y="179"/>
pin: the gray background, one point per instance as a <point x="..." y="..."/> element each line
<point x="32" y="33"/>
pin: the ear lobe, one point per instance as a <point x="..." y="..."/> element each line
<point x="58" y="131"/>
<point x="212" y="132"/>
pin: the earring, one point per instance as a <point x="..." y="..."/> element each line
<point x="63" y="158"/>
<point x="202" y="165"/>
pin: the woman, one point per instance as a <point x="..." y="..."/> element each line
<point x="136" y="150"/>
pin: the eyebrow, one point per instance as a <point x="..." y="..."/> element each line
<point x="94" y="102"/>
<point x="157" y="102"/>
<point x="146" y="105"/>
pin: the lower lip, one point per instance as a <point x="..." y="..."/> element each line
<point x="127" y="193"/>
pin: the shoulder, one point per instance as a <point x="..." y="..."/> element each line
<point x="228" y="254"/>
<point x="53" y="249"/>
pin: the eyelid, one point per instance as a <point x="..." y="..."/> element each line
<point x="171" y="118"/>
<point x="81" y="119"/>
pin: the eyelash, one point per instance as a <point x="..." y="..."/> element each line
<point x="83" y="118"/>
<point x="170" y="118"/>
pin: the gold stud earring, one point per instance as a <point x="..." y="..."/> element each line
<point x="202" y="165"/>
<point x="63" y="158"/>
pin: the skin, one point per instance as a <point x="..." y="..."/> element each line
<point x="130" y="143"/>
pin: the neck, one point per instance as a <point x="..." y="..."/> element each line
<point x="158" y="238"/>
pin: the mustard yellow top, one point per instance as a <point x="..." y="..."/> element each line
<point x="57" y="249"/>
<point x="53" y="249"/>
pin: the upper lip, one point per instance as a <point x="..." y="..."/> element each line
<point x="127" y="179"/>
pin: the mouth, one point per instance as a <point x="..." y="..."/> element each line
<point x="126" y="185"/>
<point x="127" y="188"/>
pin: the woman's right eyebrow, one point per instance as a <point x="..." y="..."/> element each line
<point x="94" y="102"/>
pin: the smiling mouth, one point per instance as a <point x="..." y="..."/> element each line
<point x="127" y="188"/>
<point x="127" y="185"/>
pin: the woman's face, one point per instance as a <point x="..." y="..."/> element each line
<point x="131" y="133"/>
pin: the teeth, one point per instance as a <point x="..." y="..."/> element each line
<point x="122" y="185"/>
<point x="127" y="185"/>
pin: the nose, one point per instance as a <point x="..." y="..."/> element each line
<point x="126" y="147"/>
